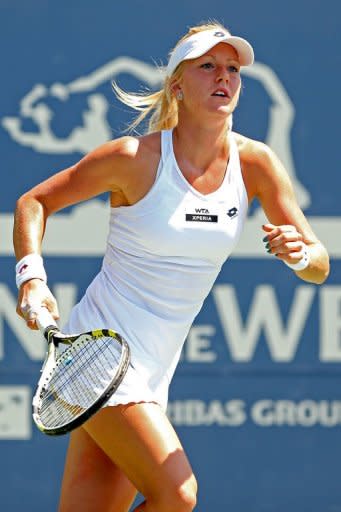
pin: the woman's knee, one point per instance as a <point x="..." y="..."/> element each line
<point x="179" y="498"/>
<point x="187" y="495"/>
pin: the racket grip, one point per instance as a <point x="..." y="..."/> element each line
<point x="45" y="319"/>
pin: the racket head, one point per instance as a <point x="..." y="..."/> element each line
<point x="77" y="381"/>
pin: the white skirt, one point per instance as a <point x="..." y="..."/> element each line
<point x="153" y="358"/>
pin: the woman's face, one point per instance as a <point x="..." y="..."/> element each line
<point x="211" y="83"/>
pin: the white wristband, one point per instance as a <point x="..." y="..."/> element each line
<point x="29" y="267"/>
<point x="303" y="263"/>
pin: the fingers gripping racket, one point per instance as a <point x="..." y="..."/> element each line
<point x="80" y="373"/>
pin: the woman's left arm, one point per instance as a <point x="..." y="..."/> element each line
<point x="288" y="235"/>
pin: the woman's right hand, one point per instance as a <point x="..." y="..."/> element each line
<point x="33" y="295"/>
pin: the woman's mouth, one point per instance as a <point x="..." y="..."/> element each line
<point x="221" y="93"/>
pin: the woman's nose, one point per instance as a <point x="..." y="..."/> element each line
<point x="222" y="73"/>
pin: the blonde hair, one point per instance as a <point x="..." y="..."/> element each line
<point x="161" y="106"/>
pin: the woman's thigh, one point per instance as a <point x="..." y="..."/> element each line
<point x="140" y="440"/>
<point x="91" y="481"/>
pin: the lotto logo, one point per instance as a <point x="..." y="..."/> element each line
<point x="232" y="212"/>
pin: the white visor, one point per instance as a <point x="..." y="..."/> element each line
<point x="198" y="44"/>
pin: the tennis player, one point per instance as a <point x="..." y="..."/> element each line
<point x="179" y="199"/>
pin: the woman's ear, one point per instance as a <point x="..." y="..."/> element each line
<point x="175" y="87"/>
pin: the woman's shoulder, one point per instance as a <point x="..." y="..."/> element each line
<point x="261" y="168"/>
<point x="252" y="151"/>
<point x="131" y="146"/>
<point x="127" y="157"/>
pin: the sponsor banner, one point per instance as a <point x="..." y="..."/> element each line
<point x="256" y="397"/>
<point x="263" y="413"/>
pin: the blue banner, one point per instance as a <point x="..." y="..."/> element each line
<point x="256" y="398"/>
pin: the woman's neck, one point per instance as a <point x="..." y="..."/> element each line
<point x="201" y="145"/>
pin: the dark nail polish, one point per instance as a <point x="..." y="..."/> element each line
<point x="265" y="239"/>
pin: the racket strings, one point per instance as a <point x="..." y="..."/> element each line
<point x="82" y="374"/>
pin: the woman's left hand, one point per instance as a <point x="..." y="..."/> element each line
<point x="285" y="242"/>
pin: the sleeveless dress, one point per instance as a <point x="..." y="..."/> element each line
<point x="162" y="257"/>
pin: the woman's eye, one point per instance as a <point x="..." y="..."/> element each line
<point x="207" y="65"/>
<point x="233" y="69"/>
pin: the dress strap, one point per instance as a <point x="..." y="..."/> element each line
<point x="166" y="144"/>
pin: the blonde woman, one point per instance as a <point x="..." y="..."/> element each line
<point x="179" y="198"/>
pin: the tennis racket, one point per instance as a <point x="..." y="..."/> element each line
<point x="80" y="373"/>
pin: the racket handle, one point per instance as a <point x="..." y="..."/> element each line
<point x="45" y="319"/>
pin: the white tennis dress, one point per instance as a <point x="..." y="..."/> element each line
<point x="163" y="255"/>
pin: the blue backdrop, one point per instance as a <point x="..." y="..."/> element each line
<point x="256" y="398"/>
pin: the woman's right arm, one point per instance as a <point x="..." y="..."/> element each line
<point x="111" y="167"/>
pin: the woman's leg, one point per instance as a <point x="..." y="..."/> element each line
<point x="139" y="439"/>
<point x="92" y="482"/>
